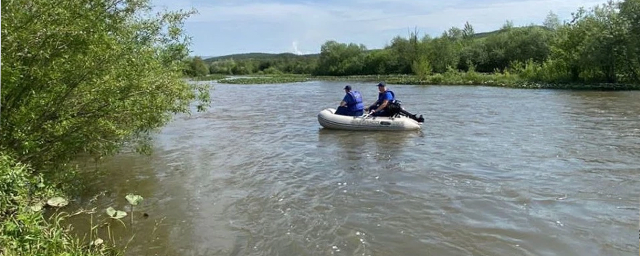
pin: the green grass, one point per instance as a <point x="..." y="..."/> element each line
<point x="450" y="77"/>
<point x="211" y="77"/>
<point x="25" y="229"/>
<point x="270" y="79"/>
<point x="455" y="78"/>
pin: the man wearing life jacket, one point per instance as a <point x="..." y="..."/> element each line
<point x="385" y="99"/>
<point x="351" y="104"/>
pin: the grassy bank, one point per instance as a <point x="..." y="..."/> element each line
<point x="449" y="78"/>
<point x="24" y="229"/>
<point x="452" y="78"/>
<point x="266" y="79"/>
<point x="212" y="77"/>
<point x="32" y="216"/>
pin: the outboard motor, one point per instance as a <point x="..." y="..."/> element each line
<point x="418" y="119"/>
<point x="412" y="116"/>
<point x="396" y="109"/>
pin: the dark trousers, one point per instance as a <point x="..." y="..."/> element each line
<point x="383" y="112"/>
<point x="346" y="112"/>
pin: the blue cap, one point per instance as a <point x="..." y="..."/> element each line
<point x="382" y="84"/>
<point x="348" y="87"/>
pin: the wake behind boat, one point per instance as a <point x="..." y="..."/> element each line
<point x="328" y="119"/>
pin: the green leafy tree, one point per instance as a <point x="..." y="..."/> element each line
<point x="444" y="52"/>
<point x="222" y="67"/>
<point x="630" y="23"/>
<point x="380" y="62"/>
<point x="341" y="59"/>
<point x="507" y="25"/>
<point x="88" y="76"/>
<point x="590" y="44"/>
<point x="405" y="51"/>
<point x="455" y="34"/>
<point x="597" y="45"/>
<point x="515" y="44"/>
<point x="197" y="67"/>
<point x="467" y="31"/>
<point x="475" y="52"/>
<point x="421" y="67"/>
<point x="551" y="21"/>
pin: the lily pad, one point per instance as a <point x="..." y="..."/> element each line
<point x="97" y="242"/>
<point x="113" y="213"/>
<point x="57" y="202"/>
<point x="134" y="199"/>
<point x="37" y="206"/>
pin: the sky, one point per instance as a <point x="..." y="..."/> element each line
<point x="223" y="27"/>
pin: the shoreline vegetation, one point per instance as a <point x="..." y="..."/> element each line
<point x="95" y="79"/>
<point x="82" y="80"/>
<point x="599" y="48"/>
<point x="454" y="78"/>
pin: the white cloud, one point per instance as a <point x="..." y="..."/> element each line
<point x="358" y="16"/>
<point x="295" y="47"/>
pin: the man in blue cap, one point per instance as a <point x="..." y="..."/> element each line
<point x="351" y="104"/>
<point x="381" y="106"/>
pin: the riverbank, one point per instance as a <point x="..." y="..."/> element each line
<point x="454" y="78"/>
<point x="24" y="230"/>
<point x="35" y="218"/>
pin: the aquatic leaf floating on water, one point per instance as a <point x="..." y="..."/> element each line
<point x="134" y="199"/>
<point x="57" y="202"/>
<point x="37" y="207"/>
<point x="113" y="213"/>
<point x="97" y="242"/>
<point x="41" y="183"/>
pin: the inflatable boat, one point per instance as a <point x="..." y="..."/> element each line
<point x="329" y="120"/>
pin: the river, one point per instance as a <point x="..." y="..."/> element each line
<point x="494" y="171"/>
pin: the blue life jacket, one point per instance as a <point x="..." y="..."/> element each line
<point x="355" y="104"/>
<point x="381" y="97"/>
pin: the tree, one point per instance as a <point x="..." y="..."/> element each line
<point x="421" y="67"/>
<point x="475" y="53"/>
<point x="444" y="52"/>
<point x="379" y="62"/>
<point x="590" y="44"/>
<point x="341" y="59"/>
<point x="467" y="31"/>
<point x="89" y="76"/>
<point x="551" y="21"/>
<point x="455" y="33"/>
<point x="516" y="44"/>
<point x="507" y="25"/>
<point x="198" y="67"/>
<point x="404" y="51"/>
<point x="630" y="24"/>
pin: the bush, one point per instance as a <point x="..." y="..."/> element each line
<point x="23" y="228"/>
<point x="86" y="77"/>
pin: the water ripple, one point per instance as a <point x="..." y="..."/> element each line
<point x="494" y="172"/>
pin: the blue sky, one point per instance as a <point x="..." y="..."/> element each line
<point x="224" y="27"/>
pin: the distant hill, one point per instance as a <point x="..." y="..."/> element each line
<point x="271" y="56"/>
<point x="490" y="33"/>
<point x="259" y="56"/>
<point x="486" y="34"/>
